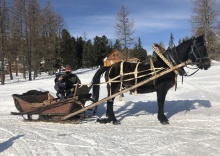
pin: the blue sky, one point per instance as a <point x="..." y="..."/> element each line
<point x="154" y="20"/>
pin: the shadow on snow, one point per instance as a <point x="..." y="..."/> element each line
<point x="131" y="108"/>
<point x="8" y="143"/>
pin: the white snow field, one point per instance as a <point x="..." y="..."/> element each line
<point x="193" y="111"/>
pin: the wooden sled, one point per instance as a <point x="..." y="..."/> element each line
<point x="50" y="108"/>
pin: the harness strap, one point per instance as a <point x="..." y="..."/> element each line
<point x="121" y="79"/>
<point x="121" y="73"/>
<point x="157" y="51"/>
<point x="110" y="81"/>
<point x="153" y="69"/>
<point x="136" y="77"/>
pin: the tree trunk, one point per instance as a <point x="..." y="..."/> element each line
<point x="10" y="70"/>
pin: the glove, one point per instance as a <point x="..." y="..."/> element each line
<point x="70" y="95"/>
<point x="72" y="89"/>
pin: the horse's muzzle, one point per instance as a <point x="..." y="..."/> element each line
<point x="205" y="64"/>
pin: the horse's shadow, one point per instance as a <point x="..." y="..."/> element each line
<point x="8" y="143"/>
<point x="171" y="108"/>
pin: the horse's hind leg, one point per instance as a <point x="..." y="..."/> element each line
<point x="161" y="95"/>
<point x="110" y="112"/>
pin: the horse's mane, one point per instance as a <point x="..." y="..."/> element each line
<point x="183" y="44"/>
<point x="179" y="49"/>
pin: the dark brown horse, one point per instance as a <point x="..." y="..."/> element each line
<point x="193" y="49"/>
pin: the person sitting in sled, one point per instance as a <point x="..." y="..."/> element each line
<point x="65" y="83"/>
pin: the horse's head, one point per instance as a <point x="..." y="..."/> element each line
<point x="198" y="53"/>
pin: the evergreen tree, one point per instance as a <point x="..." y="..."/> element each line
<point x="171" y="42"/>
<point x="88" y="57"/>
<point x="162" y="44"/>
<point x="117" y="45"/>
<point x="79" y="50"/>
<point x="139" y="52"/>
<point x="68" y="50"/>
<point x="179" y="42"/>
<point x="97" y="46"/>
<point x="101" y="49"/>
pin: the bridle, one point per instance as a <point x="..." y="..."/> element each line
<point x="198" y="58"/>
<point x="195" y="57"/>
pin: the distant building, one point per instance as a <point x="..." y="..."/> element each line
<point x="117" y="56"/>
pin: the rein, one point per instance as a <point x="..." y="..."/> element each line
<point x="193" y="72"/>
<point x="197" y="69"/>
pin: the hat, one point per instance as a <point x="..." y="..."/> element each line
<point x="68" y="68"/>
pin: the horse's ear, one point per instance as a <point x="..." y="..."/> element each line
<point x="202" y="35"/>
<point x="193" y="38"/>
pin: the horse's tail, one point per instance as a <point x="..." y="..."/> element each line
<point x="96" y="83"/>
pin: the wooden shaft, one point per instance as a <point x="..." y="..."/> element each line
<point x="123" y="91"/>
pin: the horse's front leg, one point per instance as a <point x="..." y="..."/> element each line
<point x="161" y="95"/>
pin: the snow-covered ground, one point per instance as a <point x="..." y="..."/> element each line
<point x="193" y="111"/>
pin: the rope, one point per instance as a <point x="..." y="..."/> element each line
<point x="121" y="78"/>
<point x="125" y="74"/>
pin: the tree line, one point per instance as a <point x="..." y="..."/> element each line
<point x="36" y="39"/>
<point x="29" y="35"/>
<point x="79" y="52"/>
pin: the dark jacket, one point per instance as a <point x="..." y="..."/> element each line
<point x="70" y="80"/>
<point x="67" y="83"/>
<point x="60" y="87"/>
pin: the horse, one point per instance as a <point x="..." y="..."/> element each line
<point x="193" y="49"/>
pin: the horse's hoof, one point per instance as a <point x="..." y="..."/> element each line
<point x="102" y="121"/>
<point x="165" y="122"/>
<point x="106" y="120"/>
<point x="116" y="122"/>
